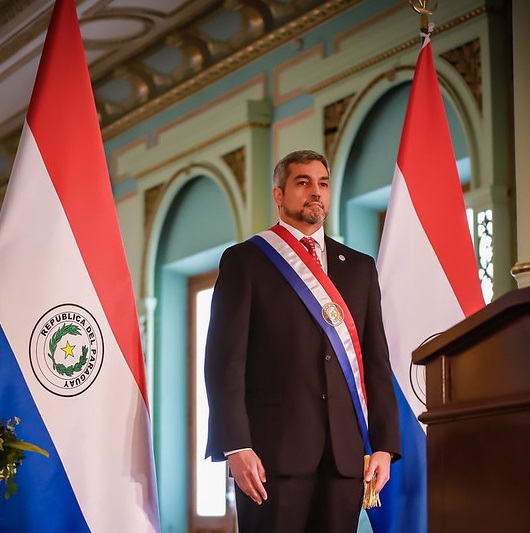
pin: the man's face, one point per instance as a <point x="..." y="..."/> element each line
<point x="304" y="202"/>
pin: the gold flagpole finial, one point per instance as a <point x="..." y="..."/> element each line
<point x="425" y="11"/>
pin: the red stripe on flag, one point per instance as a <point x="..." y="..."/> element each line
<point x="63" y="118"/>
<point x="427" y="162"/>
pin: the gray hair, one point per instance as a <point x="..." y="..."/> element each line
<point x="281" y="170"/>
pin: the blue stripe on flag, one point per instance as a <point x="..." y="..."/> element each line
<point x="404" y="497"/>
<point x="35" y="507"/>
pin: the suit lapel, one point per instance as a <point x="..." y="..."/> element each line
<point x="335" y="261"/>
<point x="341" y="271"/>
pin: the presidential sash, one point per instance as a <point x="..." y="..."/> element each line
<point x="324" y="302"/>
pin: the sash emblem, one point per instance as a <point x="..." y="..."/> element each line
<point x="333" y="314"/>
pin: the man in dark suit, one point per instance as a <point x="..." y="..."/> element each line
<point x="281" y="410"/>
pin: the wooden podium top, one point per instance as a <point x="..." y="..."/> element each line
<point x="484" y="322"/>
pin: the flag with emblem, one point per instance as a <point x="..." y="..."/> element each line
<point x="71" y="363"/>
<point x="429" y="280"/>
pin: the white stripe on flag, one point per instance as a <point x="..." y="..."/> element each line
<point x="417" y="299"/>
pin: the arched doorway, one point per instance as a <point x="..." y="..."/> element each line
<point x="198" y="225"/>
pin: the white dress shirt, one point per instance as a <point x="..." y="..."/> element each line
<point x="318" y="237"/>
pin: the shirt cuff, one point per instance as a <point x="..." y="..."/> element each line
<point x="235" y="451"/>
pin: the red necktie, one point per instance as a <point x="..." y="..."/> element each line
<point x="309" y="243"/>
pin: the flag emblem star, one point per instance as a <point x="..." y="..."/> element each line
<point x="68" y="350"/>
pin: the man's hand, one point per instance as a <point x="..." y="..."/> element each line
<point x="249" y="474"/>
<point x="379" y="465"/>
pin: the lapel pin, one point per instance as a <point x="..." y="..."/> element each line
<point x="342" y="258"/>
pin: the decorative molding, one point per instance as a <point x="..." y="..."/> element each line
<point x="151" y="199"/>
<point x="200" y="146"/>
<point x="38" y="27"/>
<point x="125" y="197"/>
<point x="10" y="10"/>
<point x="466" y="60"/>
<point x="236" y="160"/>
<point x="223" y="67"/>
<point x="372" y="21"/>
<point x="140" y="84"/>
<point x="348" y="112"/>
<point x="115" y="176"/>
<point x="394" y="51"/>
<point x="333" y="114"/>
<point x="116" y="15"/>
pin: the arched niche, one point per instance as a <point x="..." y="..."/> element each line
<point x="232" y="197"/>
<point x="199" y="219"/>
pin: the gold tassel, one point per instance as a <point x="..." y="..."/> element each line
<point x="370" y="498"/>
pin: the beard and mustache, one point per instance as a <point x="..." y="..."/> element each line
<point x="310" y="213"/>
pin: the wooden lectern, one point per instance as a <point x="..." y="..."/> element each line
<point x="478" y="420"/>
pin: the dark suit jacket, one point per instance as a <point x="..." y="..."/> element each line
<point x="273" y="381"/>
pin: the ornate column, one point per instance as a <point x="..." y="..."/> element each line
<point x="521" y="89"/>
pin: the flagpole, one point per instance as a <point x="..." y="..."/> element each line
<point x="422" y="7"/>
